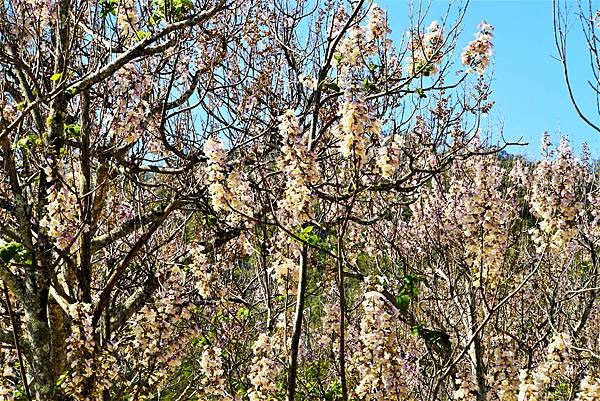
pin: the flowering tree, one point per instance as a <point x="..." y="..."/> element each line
<point x="229" y="200"/>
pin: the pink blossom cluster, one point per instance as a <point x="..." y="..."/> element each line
<point x="130" y="116"/>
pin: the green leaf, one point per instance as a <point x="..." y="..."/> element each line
<point x="141" y="35"/>
<point x="9" y="251"/>
<point x="403" y="302"/>
<point x="73" y="129"/>
<point x="330" y="85"/>
<point x="416" y="329"/>
<point x="56" y="76"/>
<point x="108" y="7"/>
<point x="243" y="313"/>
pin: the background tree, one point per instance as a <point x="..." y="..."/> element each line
<point x="588" y="19"/>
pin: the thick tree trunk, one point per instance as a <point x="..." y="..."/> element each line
<point x="39" y="337"/>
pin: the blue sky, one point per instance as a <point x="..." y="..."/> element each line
<point x="528" y="83"/>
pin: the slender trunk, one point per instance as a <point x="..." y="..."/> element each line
<point x="295" y="345"/>
<point x="342" y="300"/>
<point x="475" y="351"/>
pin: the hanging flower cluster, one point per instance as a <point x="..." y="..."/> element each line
<point x="286" y="273"/>
<point x="216" y="167"/>
<point x="377" y="26"/>
<point x="476" y="56"/>
<point x="533" y="383"/>
<point x="389" y="156"/>
<point x="85" y="357"/>
<point x="203" y="270"/>
<point x="213" y="382"/>
<point x="330" y="321"/>
<point x="590" y="389"/>
<point x="160" y="332"/>
<point x="131" y="112"/>
<point x="503" y="374"/>
<point x="128" y="19"/>
<point x="486" y="216"/>
<point x="308" y="82"/>
<point x="356" y="124"/>
<point x="264" y="371"/>
<point x="466" y="390"/>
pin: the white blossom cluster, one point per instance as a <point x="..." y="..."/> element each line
<point x="378" y="363"/>
<point x="554" y="200"/>
<point x="298" y="165"/>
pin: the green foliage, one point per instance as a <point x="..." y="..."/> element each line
<point x="72" y="130"/>
<point x="329" y="85"/>
<point x="170" y="10"/>
<point x="308" y="236"/>
<point x="108" y="7"/>
<point x="562" y="391"/>
<point x="28" y="142"/>
<point x="368" y="86"/>
<point x="141" y="35"/>
<point x="334" y="392"/>
<point x="14" y="251"/>
<point x="409" y="290"/>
